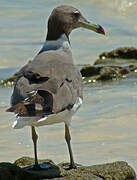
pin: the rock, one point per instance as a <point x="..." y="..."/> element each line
<point x="101" y="73"/>
<point x="124" y="71"/>
<point x="104" y="73"/>
<point x="118" y="56"/>
<point x="9" y="81"/>
<point x="88" y="71"/>
<point x="133" y="68"/>
<point x="123" y="52"/>
<point x="109" y="73"/>
<point x="10" y="171"/>
<point x="111" y="171"/>
<point x="93" y="73"/>
<point x="28" y="161"/>
<point x="109" y="66"/>
<point x="112" y="65"/>
<point x="51" y="169"/>
<point x="20" y="171"/>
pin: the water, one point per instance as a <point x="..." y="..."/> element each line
<point x="104" y="129"/>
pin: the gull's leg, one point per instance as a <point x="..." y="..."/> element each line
<point x="34" y="138"/>
<point x="68" y="138"/>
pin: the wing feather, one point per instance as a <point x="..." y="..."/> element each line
<point x="60" y="79"/>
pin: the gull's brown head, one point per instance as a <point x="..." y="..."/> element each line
<point x="64" y="19"/>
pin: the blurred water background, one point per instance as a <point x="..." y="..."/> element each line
<point x="105" y="128"/>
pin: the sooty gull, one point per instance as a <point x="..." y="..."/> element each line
<point x="48" y="90"/>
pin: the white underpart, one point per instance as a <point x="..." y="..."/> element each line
<point x="64" y="116"/>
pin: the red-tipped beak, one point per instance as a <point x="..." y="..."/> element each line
<point x="100" y="30"/>
<point x="94" y="27"/>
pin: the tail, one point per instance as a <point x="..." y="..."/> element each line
<point x="19" y="109"/>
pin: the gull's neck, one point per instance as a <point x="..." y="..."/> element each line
<point x="62" y="43"/>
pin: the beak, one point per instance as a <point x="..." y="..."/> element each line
<point x="94" y="27"/>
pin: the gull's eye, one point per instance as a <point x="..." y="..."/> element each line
<point x="76" y="13"/>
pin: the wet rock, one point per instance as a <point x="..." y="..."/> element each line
<point x="124" y="71"/>
<point x="88" y="71"/>
<point x="133" y="68"/>
<point x="9" y="81"/>
<point x="114" y="61"/>
<point x="118" y="56"/>
<point x="10" y="171"/>
<point x="93" y="73"/>
<point x="111" y="65"/>
<point x="116" y="171"/>
<point x="109" y="73"/>
<point x="101" y="73"/>
<point x="123" y="52"/>
<point x="20" y="171"/>
<point x="104" y="73"/>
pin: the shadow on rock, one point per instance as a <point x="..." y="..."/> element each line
<point x="117" y="171"/>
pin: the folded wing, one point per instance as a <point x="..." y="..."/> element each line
<point x="44" y="87"/>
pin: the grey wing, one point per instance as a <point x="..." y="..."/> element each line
<point x="55" y="86"/>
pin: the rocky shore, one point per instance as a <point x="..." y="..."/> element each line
<point x="113" y="65"/>
<point x="21" y="169"/>
<point x="110" y="66"/>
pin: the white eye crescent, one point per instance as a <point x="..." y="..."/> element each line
<point x="76" y="13"/>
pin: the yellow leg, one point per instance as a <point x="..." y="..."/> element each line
<point x="68" y="138"/>
<point x="34" y="138"/>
